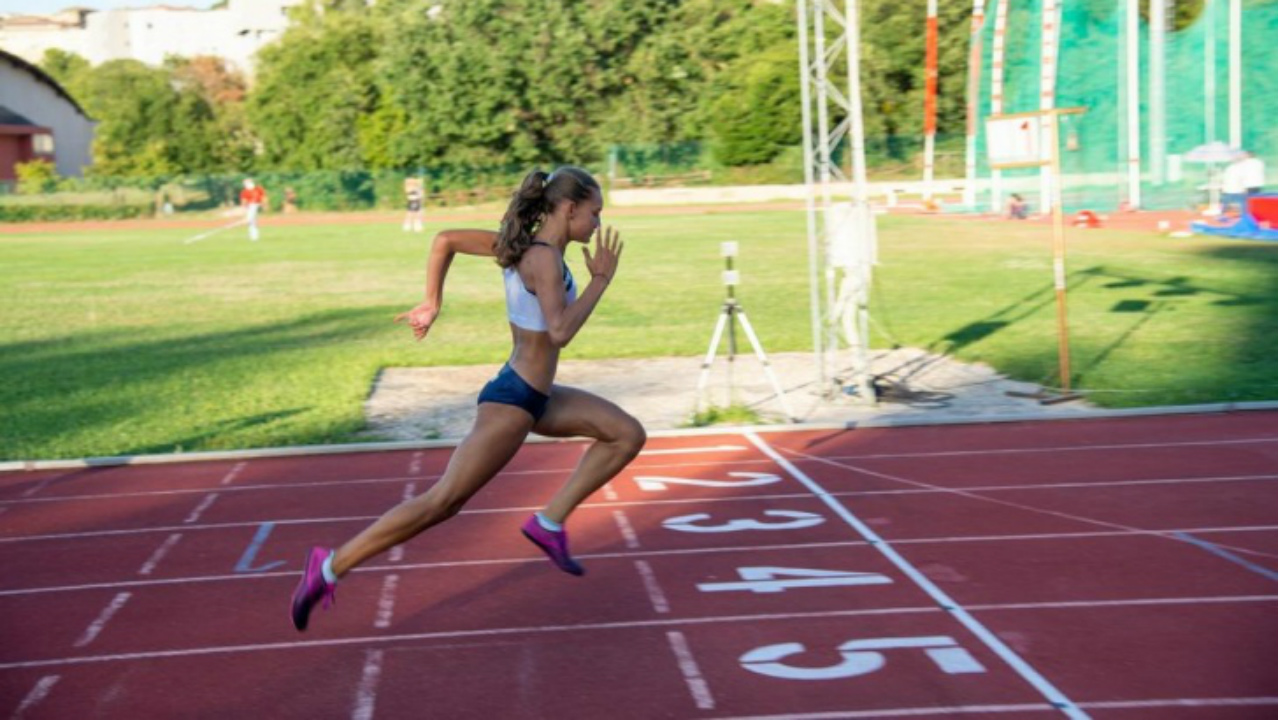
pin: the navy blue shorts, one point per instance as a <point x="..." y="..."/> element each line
<point x="509" y="388"/>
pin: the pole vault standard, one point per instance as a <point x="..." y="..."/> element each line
<point x="1013" y="141"/>
<point x="841" y="231"/>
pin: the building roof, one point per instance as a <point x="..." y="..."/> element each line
<point x="43" y="77"/>
<point x="9" y="117"/>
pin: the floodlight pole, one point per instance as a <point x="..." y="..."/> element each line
<point x="842" y="302"/>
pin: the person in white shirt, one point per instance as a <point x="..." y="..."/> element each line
<point x="1253" y="175"/>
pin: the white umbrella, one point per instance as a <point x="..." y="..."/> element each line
<point x="1214" y="152"/>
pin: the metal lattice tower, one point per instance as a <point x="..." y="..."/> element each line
<point x="841" y="227"/>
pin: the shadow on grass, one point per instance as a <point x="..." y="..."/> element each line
<point x="100" y="383"/>
<point x="1134" y="301"/>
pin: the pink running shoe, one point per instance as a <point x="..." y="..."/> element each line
<point x="311" y="588"/>
<point x="554" y="544"/>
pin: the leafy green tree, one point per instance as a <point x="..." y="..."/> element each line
<point x="758" y="115"/>
<point x="314" y="88"/>
<point x="68" y="68"/>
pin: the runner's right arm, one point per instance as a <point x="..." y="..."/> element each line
<point x="445" y="245"/>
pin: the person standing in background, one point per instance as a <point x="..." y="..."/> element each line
<point x="253" y="197"/>
<point x="413" y="205"/>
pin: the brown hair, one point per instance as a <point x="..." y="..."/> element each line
<point x="536" y="197"/>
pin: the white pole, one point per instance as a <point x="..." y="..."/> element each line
<point x="971" y="121"/>
<point x="1155" y="90"/>
<point x="997" y="87"/>
<point x="864" y="230"/>
<point x="1131" y="103"/>
<point x="1235" y="132"/>
<point x="1050" y="31"/>
<point x="1210" y="84"/>
<point x="815" y="251"/>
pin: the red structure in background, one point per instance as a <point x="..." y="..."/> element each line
<point x="21" y="141"/>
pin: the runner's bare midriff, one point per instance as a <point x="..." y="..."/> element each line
<point x="534" y="357"/>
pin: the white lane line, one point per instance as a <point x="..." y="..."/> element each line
<point x="692" y="673"/>
<point x="968" y="493"/>
<point x="1180" y="702"/>
<point x="489" y="632"/>
<point x="150" y="565"/>
<point x="651" y="586"/>
<point x="95" y="628"/>
<point x="455" y="634"/>
<point x="1132" y="602"/>
<point x="235" y="471"/>
<point x="38" y="693"/>
<point x="628" y="533"/>
<point x="994" y="643"/>
<point x="1064" y="448"/>
<point x="386" y="602"/>
<point x="688" y="451"/>
<point x="204" y="505"/>
<point x="993" y="709"/>
<point x="367" y="692"/>
<point x="39" y="486"/>
<point x="415" y="463"/>
<point x="944" y="710"/>
<point x="594" y="556"/>
<point x="610" y="494"/>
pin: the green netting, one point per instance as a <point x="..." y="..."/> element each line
<point x="1091" y="74"/>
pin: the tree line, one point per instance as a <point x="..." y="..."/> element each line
<point x="501" y="83"/>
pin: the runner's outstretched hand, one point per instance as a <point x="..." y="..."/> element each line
<point x="608" y="250"/>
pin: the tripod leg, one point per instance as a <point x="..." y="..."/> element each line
<point x="768" y="369"/>
<point x="711" y="355"/>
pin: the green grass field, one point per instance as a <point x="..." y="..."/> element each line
<point x="128" y="341"/>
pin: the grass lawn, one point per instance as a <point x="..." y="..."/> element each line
<point x="128" y="341"/>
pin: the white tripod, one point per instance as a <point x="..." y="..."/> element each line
<point x="730" y="310"/>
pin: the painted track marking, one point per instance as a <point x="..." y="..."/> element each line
<point x="36" y="695"/>
<point x="698" y="687"/>
<point x="1000" y="709"/>
<point x="234" y="472"/>
<point x="150" y="565"/>
<point x="1218" y="549"/>
<point x="95" y="628"/>
<point x="651" y="586"/>
<point x="367" y="692"/>
<point x="204" y="505"/>
<point x="386" y="601"/>
<point x="993" y="643"/>
<point x="968" y="493"/>
<point x="595" y="556"/>
<point x="628" y="532"/>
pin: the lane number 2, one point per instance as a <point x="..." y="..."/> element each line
<point x="659" y="483"/>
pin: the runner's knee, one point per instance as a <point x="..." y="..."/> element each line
<point x="630" y="436"/>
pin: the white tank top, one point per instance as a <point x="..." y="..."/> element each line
<point x="523" y="309"/>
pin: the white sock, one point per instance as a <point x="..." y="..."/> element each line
<point x="326" y="569"/>
<point x="548" y="524"/>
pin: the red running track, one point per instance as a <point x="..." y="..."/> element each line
<point x="1118" y="568"/>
